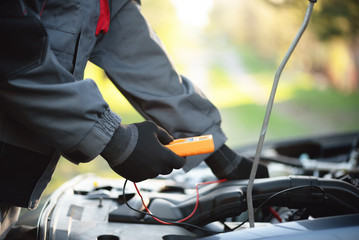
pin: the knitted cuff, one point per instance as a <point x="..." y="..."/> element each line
<point x="95" y="141"/>
<point x="121" y="145"/>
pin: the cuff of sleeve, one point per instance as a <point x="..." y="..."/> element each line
<point x="96" y="140"/>
<point x="121" y="145"/>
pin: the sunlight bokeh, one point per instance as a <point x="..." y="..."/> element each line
<point x="193" y="12"/>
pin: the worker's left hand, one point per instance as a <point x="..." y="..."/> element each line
<point x="149" y="157"/>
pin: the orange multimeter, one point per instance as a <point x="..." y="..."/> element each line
<point x="192" y="145"/>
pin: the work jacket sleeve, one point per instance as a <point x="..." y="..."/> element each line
<point x="137" y="63"/>
<point x="43" y="96"/>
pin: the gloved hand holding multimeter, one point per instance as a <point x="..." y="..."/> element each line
<point x="153" y="151"/>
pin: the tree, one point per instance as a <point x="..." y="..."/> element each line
<point x="336" y="22"/>
<point x="340" y="19"/>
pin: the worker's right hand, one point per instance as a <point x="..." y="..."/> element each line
<point x="148" y="158"/>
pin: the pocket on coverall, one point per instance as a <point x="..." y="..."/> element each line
<point x="23" y="45"/>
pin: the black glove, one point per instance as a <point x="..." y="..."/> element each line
<point x="226" y="164"/>
<point x="148" y="158"/>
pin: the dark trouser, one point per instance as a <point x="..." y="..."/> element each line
<point x="20" y="172"/>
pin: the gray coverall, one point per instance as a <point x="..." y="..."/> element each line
<point x="50" y="110"/>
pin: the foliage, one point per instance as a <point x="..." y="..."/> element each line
<point x="336" y="18"/>
<point x="329" y="48"/>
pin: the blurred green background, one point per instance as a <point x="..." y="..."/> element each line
<point x="232" y="48"/>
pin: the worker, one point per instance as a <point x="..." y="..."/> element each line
<point x="48" y="109"/>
